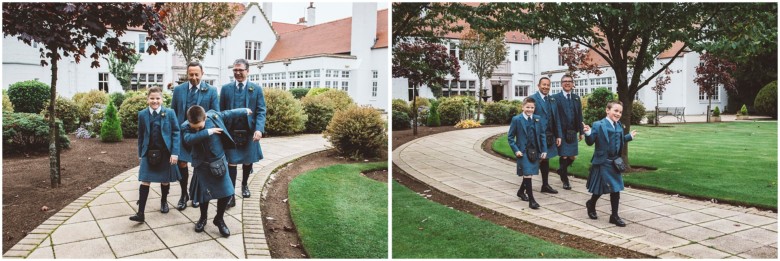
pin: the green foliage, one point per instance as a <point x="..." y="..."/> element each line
<point x="319" y="110"/>
<point x="515" y="107"/>
<point x="357" y="132"/>
<point x="95" y="118"/>
<point x="284" y="114"/>
<point x="128" y="115"/>
<point x="8" y="107"/>
<point x="423" y="105"/>
<point x="28" y="96"/>
<point x="743" y="111"/>
<point x="299" y="93"/>
<point x="111" y="130"/>
<point x="401" y="105"/>
<point x="498" y="113"/>
<point x="452" y="110"/>
<point x="597" y="105"/>
<point x="651" y="118"/>
<point x="316" y="91"/>
<point x="434" y="120"/>
<point x="117" y="98"/>
<point x="194" y="27"/>
<point x="637" y="112"/>
<point x="341" y="99"/>
<point x="401" y="121"/>
<point x="716" y="112"/>
<point x="122" y="70"/>
<point x="67" y="111"/>
<point x="766" y="100"/>
<point x="88" y="100"/>
<point x="28" y="133"/>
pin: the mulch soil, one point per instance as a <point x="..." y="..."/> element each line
<point x="27" y="189"/>
<point x="280" y="231"/>
<point x="547" y="234"/>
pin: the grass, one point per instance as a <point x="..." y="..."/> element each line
<point x="426" y="229"/>
<point x="339" y="213"/>
<point x="735" y="161"/>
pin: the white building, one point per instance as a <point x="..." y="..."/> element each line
<point x="528" y="60"/>
<point x="349" y="54"/>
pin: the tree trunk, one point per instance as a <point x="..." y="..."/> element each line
<point x="479" y="100"/>
<point x="54" y="146"/>
<point x="656" y="110"/>
<point x="628" y="101"/>
<point x="414" y="109"/>
<point x="709" y="105"/>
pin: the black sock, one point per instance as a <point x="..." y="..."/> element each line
<point x="165" y="189"/>
<point x="221" y="206"/>
<point x="185" y="177"/>
<point x="563" y="168"/>
<point x="233" y="171"/>
<point x="594" y="198"/>
<point x="614" y="199"/>
<point x="204" y="210"/>
<point x="143" y="194"/>
<point x="544" y="166"/>
<point x="569" y="162"/>
<point x="246" y="169"/>
<point x="528" y="187"/>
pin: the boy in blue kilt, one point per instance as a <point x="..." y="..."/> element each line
<point x="526" y="137"/>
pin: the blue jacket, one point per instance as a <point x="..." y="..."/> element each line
<point x="207" y="98"/>
<point x="213" y="145"/>
<point x="598" y="136"/>
<point x="565" y="118"/>
<point x="255" y="101"/>
<point x="517" y="135"/>
<point x="548" y="111"/>
<point x="170" y="131"/>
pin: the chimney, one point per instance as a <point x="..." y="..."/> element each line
<point x="363" y="28"/>
<point x="268" y="10"/>
<point x="310" y="14"/>
<point x="302" y="21"/>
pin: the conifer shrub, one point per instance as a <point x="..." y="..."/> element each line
<point x="637" y="112"/>
<point x="111" y="130"/>
<point x="433" y="115"/>
<point x="401" y="121"/>
<point x="357" y="132"/>
<point x="319" y="111"/>
<point x="284" y="114"/>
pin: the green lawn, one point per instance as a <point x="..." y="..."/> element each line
<point x="339" y="213"/>
<point x="734" y="161"/>
<point x="426" y="229"/>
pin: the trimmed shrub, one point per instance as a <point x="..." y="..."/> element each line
<point x="765" y="103"/>
<point x="96" y="118"/>
<point x="497" y="113"/>
<point x="341" y="99"/>
<point x="743" y="111"/>
<point x="357" y="132"/>
<point x="88" y="100"/>
<point x="317" y="91"/>
<point x="111" y="130"/>
<point x="117" y="98"/>
<point x="597" y="104"/>
<point x="401" y="105"/>
<point x="8" y="107"/>
<point x="433" y="115"/>
<point x="299" y="93"/>
<point x="284" y="114"/>
<point x="637" y="112"/>
<point x="515" y="107"/>
<point x="29" y="132"/>
<point x="67" y="111"/>
<point x="29" y="96"/>
<point x="467" y="124"/>
<point x="319" y="110"/>
<point x="168" y="97"/>
<point x="452" y="110"/>
<point x="401" y="121"/>
<point x="651" y="118"/>
<point x="716" y="112"/>
<point x="128" y="115"/>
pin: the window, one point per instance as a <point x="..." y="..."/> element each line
<point x="344" y="74"/>
<point x="212" y="49"/>
<point x="345" y="86"/>
<point x="316" y="73"/>
<point x="374" y="87"/>
<point x="715" y="96"/>
<point x="253" y="19"/>
<point x="316" y="84"/>
<point x="328" y="73"/>
<point x="327" y="84"/>
<point x="525" y="56"/>
<point x="254" y="77"/>
<point x="472" y="85"/>
<point x="142" y="44"/>
<point x="453" y="49"/>
<point x="103" y="82"/>
<point x="308" y="84"/>
<point x="517" y="56"/>
<point x="252" y="50"/>
<point x="307" y="74"/>
<point x="560" y="57"/>
<point x="147" y="80"/>
<point x="521" y="90"/>
<point x="374" y="74"/>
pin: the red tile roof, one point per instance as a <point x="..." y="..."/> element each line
<point x="282" y="28"/>
<point x="329" y="38"/>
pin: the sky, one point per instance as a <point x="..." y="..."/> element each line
<point x="289" y="12"/>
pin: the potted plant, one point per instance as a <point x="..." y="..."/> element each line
<point x="742" y="114"/>
<point x="716" y="114"/>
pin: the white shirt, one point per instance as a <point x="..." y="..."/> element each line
<point x="151" y="111"/>
<point x="190" y="86"/>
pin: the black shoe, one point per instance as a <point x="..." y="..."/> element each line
<point x="522" y="195"/>
<point x="231" y="202"/>
<point x="532" y="204"/>
<point x="245" y="191"/>
<point x="614" y="219"/>
<point x="164" y="207"/>
<point x="565" y="180"/>
<point x="138" y="217"/>
<point x="548" y="189"/>
<point x="200" y="225"/>
<point x="195" y="204"/>
<point x="182" y="202"/>
<point x="591" y="209"/>
<point x="223" y="229"/>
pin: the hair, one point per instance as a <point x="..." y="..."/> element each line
<point x="543" y="78"/>
<point x="242" y="61"/>
<point x="566" y="76"/>
<point x="196" y="114"/>
<point x="195" y="63"/>
<point x="612" y="103"/>
<point x="528" y="100"/>
<point x="153" y="90"/>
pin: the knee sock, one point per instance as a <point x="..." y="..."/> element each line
<point x="185" y="177"/>
<point x="569" y="162"/>
<point x="143" y="194"/>
<point x="563" y="167"/>
<point x="165" y="189"/>
<point x="204" y="210"/>
<point x="528" y="187"/>
<point x="246" y="169"/>
<point x="233" y="171"/>
<point x="614" y="199"/>
<point x="544" y="166"/>
<point x="594" y="198"/>
<point x="221" y="206"/>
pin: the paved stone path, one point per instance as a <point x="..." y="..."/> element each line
<point x="658" y="225"/>
<point x="96" y="225"/>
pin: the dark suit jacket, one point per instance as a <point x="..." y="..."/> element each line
<point x="204" y="147"/>
<point x="170" y="131"/>
<point x="207" y="98"/>
<point x="566" y="119"/>
<point x="517" y="136"/>
<point x="598" y="136"/>
<point x="255" y="101"/>
<point x="548" y="111"/>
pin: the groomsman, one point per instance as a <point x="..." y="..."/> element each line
<point x="192" y="92"/>
<point x="570" y="120"/>
<point x="246" y="131"/>
<point x="548" y="112"/>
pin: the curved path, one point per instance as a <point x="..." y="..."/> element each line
<point x="96" y="225"/>
<point x="658" y="224"/>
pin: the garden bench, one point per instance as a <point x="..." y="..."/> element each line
<point x="677" y="112"/>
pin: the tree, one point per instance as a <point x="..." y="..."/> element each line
<point x="659" y="89"/>
<point x="430" y="21"/>
<point x="123" y="70"/>
<point x="627" y="35"/>
<point x="711" y="74"/>
<point x="423" y="63"/>
<point x="194" y="27"/>
<point x="482" y="55"/>
<point x="65" y="29"/>
<point x="111" y="129"/>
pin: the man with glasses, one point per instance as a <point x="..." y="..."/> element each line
<point x="192" y="92"/>
<point x="570" y="121"/>
<point x="246" y="131"/>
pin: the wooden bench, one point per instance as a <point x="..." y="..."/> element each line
<point x="677" y="112"/>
